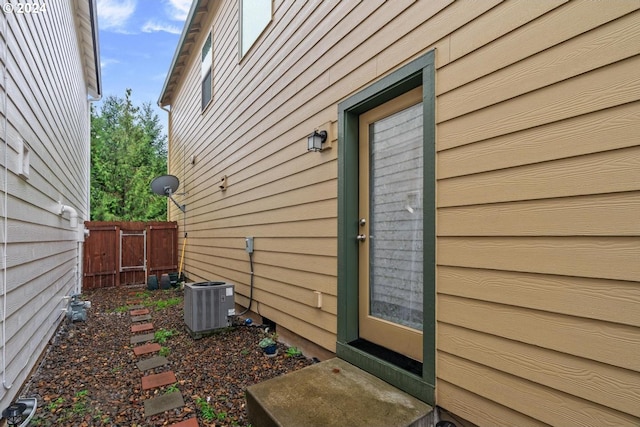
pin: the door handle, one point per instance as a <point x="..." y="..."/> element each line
<point x="361" y="237"/>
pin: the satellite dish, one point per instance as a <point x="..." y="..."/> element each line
<point x="165" y="185"/>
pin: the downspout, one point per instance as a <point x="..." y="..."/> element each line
<point x="184" y="162"/>
<point x="4" y="213"/>
<point x="73" y="223"/>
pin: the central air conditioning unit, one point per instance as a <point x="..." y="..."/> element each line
<point x="207" y="307"/>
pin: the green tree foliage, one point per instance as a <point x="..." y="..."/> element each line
<point x="128" y="150"/>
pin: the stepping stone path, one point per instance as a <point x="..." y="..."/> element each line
<point x="162" y="402"/>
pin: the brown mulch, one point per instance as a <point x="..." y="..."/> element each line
<point x="88" y="374"/>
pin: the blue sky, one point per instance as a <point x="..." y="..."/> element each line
<point x="137" y="41"/>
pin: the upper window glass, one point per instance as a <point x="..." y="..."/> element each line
<point x="254" y="17"/>
<point x="205" y="72"/>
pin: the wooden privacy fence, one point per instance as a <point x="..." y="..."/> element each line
<point x="125" y="253"/>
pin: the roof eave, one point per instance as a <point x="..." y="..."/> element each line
<point x="93" y="12"/>
<point x="164" y="100"/>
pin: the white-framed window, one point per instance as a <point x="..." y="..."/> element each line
<point x="255" y="15"/>
<point x="206" y="67"/>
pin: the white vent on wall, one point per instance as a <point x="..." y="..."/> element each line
<point x="24" y="166"/>
<point x="207" y="306"/>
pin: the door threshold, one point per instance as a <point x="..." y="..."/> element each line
<point x="400" y="360"/>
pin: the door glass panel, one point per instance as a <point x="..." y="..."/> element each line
<point x="395" y="233"/>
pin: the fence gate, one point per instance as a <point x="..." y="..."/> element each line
<point x="133" y="254"/>
<point x="124" y="253"/>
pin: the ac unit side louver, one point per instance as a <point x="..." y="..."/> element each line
<point x="207" y="307"/>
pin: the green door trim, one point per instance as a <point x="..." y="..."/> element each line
<point x="418" y="72"/>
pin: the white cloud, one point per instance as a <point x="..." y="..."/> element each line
<point x="114" y="14"/>
<point x="105" y="62"/>
<point x="155" y="26"/>
<point x="178" y="9"/>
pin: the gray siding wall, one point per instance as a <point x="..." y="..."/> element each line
<point x="43" y="106"/>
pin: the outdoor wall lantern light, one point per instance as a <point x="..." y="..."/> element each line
<point x="316" y="139"/>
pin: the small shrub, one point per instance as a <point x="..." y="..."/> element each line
<point x="293" y="352"/>
<point x="161" y="335"/>
<point x="208" y="413"/>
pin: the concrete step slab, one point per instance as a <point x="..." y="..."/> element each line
<point x="191" y="422"/>
<point x="146" y="349"/>
<point x="141" y="327"/>
<point x="158" y="380"/>
<point x="152" y="363"/>
<point x="143" y="318"/>
<point x="135" y="305"/>
<point x="140" y="338"/>
<point x="164" y="402"/>
<point x="139" y="311"/>
<point x="330" y="394"/>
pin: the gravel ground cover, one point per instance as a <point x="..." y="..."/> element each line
<point x="88" y="374"/>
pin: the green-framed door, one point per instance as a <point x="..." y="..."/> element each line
<point x="386" y="229"/>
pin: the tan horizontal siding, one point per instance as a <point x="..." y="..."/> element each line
<point x="585" y="338"/>
<point x="603" y="46"/>
<point x="608" y="300"/>
<point x="612" y="214"/>
<point x="600" y="131"/>
<point x="602" y="383"/>
<point x="597" y="257"/>
<point x="537" y="193"/>
<point x="320" y="227"/>
<point x="538" y="186"/>
<point x="609" y="172"/>
<point x="479" y="410"/>
<point x="539" y="402"/>
<point x="599" y="89"/>
<point x="567" y="21"/>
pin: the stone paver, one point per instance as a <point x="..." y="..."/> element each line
<point x="141" y="327"/>
<point x="152" y="362"/>
<point x="158" y="380"/>
<point x="147" y="348"/>
<point x="164" y="402"/>
<point x="143" y="318"/>
<point x="191" y="422"/>
<point x="140" y="338"/>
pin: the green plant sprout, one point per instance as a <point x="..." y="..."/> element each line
<point x="293" y="352"/>
<point x="208" y="413"/>
<point x="52" y="406"/>
<point x="161" y="335"/>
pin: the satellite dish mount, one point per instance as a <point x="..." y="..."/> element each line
<point x="167" y="185"/>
